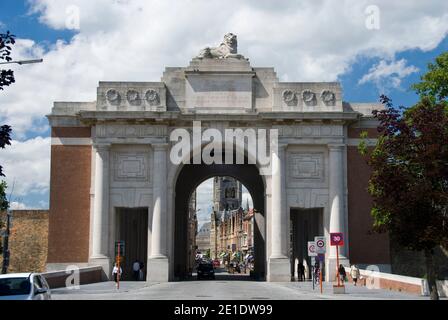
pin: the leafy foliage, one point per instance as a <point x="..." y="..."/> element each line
<point x="409" y="181"/>
<point x="434" y="83"/>
<point x="5" y="139"/>
<point x="3" y="200"/>
<point x="7" y="40"/>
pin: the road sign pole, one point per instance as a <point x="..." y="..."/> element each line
<point x="337" y="265"/>
<point x="312" y="276"/>
<point x="320" y="276"/>
<point x="118" y="271"/>
<point x="313" y="263"/>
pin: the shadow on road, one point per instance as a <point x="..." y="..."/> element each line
<point x="222" y="275"/>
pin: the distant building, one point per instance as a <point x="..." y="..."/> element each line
<point x="231" y="229"/>
<point x="203" y="238"/>
<point x="192" y="231"/>
<point x="227" y="193"/>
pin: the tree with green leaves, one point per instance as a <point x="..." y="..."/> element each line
<point x="434" y="83"/>
<point x="4" y="204"/>
<point x="409" y="179"/>
<point x="7" y="40"/>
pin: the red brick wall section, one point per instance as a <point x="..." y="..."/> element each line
<point x="69" y="204"/>
<point x="365" y="248"/>
<point x="388" y="284"/>
<point x="400" y="286"/>
<point x="71" y="132"/>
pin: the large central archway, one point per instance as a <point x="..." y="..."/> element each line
<point x="189" y="178"/>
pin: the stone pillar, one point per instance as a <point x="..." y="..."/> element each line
<point x="158" y="267"/>
<point x="279" y="264"/>
<point x="336" y="205"/>
<point x="100" y="230"/>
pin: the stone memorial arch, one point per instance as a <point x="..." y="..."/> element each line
<point x="112" y="177"/>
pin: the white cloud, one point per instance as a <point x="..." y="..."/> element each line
<point x="136" y="39"/>
<point x="387" y="75"/>
<point x="27" y="166"/>
<point x="15" y="205"/>
<point x="133" y="40"/>
<point x="204" y="201"/>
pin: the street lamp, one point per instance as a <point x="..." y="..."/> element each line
<point x="21" y="62"/>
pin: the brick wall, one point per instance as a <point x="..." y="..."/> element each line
<point x="69" y="198"/>
<point x="69" y="204"/>
<point x="365" y="247"/>
<point x="28" y="241"/>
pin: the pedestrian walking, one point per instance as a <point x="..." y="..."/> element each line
<point x="136" y="270"/>
<point x="354" y="273"/>
<point x="301" y="272"/>
<point x="116" y="272"/>
<point x="141" y="272"/>
<point x="342" y="274"/>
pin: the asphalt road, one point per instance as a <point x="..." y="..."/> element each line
<point x="225" y="287"/>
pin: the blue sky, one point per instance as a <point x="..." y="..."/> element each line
<point x="136" y="39"/>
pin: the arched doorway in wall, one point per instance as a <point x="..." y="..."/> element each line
<point x="188" y="179"/>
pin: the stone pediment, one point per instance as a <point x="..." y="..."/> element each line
<point x="218" y="85"/>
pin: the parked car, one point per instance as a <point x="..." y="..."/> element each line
<point x="205" y="270"/>
<point x="24" y="286"/>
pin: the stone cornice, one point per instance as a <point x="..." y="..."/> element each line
<point x="95" y="116"/>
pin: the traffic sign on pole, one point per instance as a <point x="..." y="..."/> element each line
<point x="312" y="249"/>
<point x="336" y="239"/>
<point x="320" y="245"/>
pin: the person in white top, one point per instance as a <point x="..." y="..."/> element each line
<point x="354" y="273"/>
<point x="136" y="270"/>
<point x="115" y="272"/>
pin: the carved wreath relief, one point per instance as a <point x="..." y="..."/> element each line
<point x="152" y="97"/>
<point x="113" y="96"/>
<point x="328" y="97"/>
<point x="133" y="97"/>
<point x="289" y="97"/>
<point x="308" y="97"/>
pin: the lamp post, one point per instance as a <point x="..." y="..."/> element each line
<point x="21" y="62"/>
<point x="6" y="243"/>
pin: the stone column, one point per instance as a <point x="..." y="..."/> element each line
<point x="279" y="265"/>
<point x="100" y="230"/>
<point x="336" y="204"/>
<point x="158" y="268"/>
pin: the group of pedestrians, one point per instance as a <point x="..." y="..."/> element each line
<point x="354" y="273"/>
<point x="138" y="273"/>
